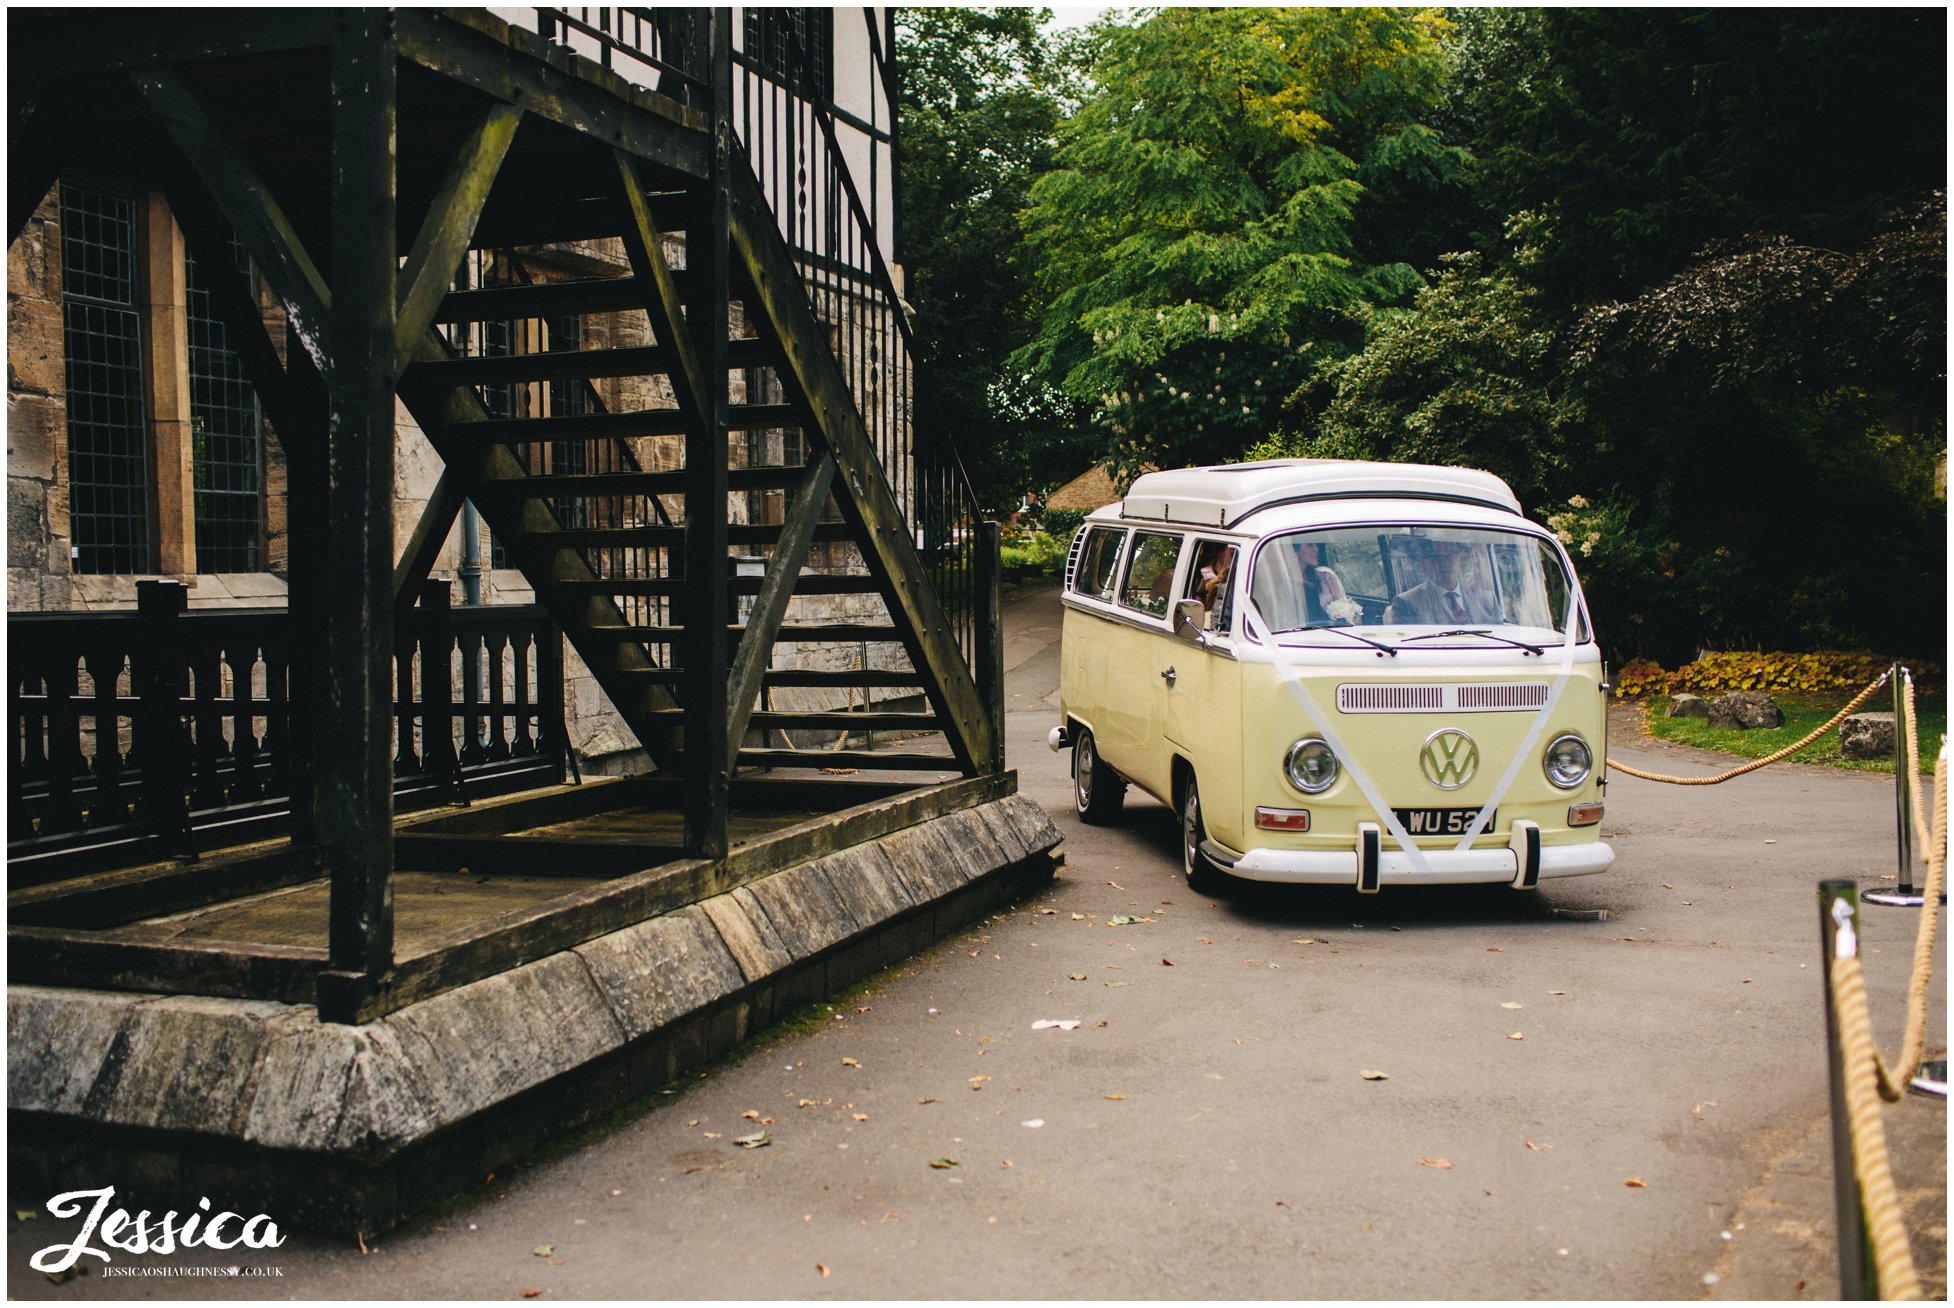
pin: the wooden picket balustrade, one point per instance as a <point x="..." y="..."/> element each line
<point x="157" y="727"/>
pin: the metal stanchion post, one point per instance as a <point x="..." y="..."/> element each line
<point x="1905" y="895"/>
<point x="1838" y="924"/>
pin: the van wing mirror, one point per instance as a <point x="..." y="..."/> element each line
<point x="1191" y="620"/>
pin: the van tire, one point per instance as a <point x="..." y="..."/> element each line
<point x="1097" y="791"/>
<point x="1203" y="877"/>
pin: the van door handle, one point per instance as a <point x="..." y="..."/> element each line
<point x="1168" y="676"/>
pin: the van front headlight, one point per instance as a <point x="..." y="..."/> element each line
<point x="1312" y="766"/>
<point x="1568" y="761"/>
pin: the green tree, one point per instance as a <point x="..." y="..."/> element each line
<point x="1201" y="232"/>
<point x="982" y="94"/>
<point x="1625" y="141"/>
<point x="1468" y="375"/>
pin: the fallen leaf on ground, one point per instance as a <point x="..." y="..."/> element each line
<point x="1512" y="1005"/>
<point x="1075" y="976"/>
<point x="1439" y="1163"/>
<point x="1166" y="962"/>
<point x="1119" y="983"/>
<point x="861" y="1117"/>
<point x="531" y="1293"/>
<point x="1494" y="949"/>
<point x="977" y="1082"/>
<point x="1047" y="912"/>
<point x="807" y="1103"/>
<point x="1636" y="1183"/>
<point x="1372" y="1074"/>
<point x="1124" y="920"/>
<point x="543" y="1250"/>
<point x="823" y="1269"/>
<point x="751" y="1115"/>
<point x="1281" y="1204"/>
<point x="758" y="1140"/>
<point x="1516" y="1035"/>
<point x="1116" y="885"/>
<point x="1078" y="917"/>
<point x="1204" y="940"/>
<point x="943" y="1163"/>
<point x="1556" y="992"/>
<point x="1536" y="1148"/>
<point x="927" y="1099"/>
<point x="849" y="1062"/>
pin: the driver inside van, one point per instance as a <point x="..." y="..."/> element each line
<point x="1446" y="596"/>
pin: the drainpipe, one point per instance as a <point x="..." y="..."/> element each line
<point x="471" y="554"/>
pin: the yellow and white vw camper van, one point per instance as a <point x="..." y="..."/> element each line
<point x="1346" y="673"/>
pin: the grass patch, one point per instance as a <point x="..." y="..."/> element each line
<point x="1803" y="711"/>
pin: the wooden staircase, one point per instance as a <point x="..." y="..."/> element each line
<point x="589" y="498"/>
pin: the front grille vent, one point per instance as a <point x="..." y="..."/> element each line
<point x="1495" y="698"/>
<point x="1390" y="699"/>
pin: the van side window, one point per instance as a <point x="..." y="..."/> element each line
<point x="1211" y="580"/>
<point x="1093" y="577"/>
<point x="1150" y="572"/>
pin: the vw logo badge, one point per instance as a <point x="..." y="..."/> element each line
<point x="1449" y="759"/>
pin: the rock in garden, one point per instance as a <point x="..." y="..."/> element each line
<point x="1688" y="706"/>
<point x="1866" y="735"/>
<point x="1745" y="710"/>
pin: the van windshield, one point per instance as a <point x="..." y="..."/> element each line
<point x="1449" y="579"/>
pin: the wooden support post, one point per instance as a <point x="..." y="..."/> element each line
<point x="360" y="455"/>
<point x="990" y="636"/>
<point x="770" y="605"/>
<point x="707" y="598"/>
<point x="159" y="739"/>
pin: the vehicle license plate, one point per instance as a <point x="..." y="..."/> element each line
<point x="1442" y="821"/>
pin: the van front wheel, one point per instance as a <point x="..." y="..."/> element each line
<point x="1203" y="877"/>
<point x="1097" y="791"/>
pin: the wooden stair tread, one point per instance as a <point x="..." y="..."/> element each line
<point x="865" y="760"/>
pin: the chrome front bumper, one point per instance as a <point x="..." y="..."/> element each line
<point x="1447" y="867"/>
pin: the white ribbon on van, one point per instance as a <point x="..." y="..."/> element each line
<point x="1576" y="602"/>
<point x="1259" y="629"/>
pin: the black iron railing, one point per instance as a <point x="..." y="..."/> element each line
<point x="791" y="142"/>
<point x="174" y="728"/>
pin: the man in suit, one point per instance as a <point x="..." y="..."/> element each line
<point x="1445" y="597"/>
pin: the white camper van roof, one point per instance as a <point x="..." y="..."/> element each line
<point x="1222" y="496"/>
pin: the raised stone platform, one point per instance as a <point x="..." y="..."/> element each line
<point x="352" y="1128"/>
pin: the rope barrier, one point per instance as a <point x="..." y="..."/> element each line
<point x="1892" y="1086"/>
<point x="1921" y="836"/>
<point x="1885" y="1220"/>
<point x="1755" y="764"/>
<point x="1866" y="1077"/>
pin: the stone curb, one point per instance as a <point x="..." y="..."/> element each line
<point x="270" y="1079"/>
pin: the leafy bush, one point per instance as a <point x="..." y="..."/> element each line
<point x="1063" y="524"/>
<point x="1713" y="673"/>
<point x="1036" y="554"/>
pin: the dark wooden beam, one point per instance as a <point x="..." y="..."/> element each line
<point x="770" y="605"/>
<point x="706" y="606"/>
<point x="449" y="226"/>
<point x="644" y="244"/>
<point x="360" y="453"/>
<point x="90" y="960"/>
<point x="887" y="546"/>
<point x="430" y="534"/>
<point x="519" y="67"/>
<point x="564" y="581"/>
<point x="254" y="213"/>
<point x="71" y="44"/>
